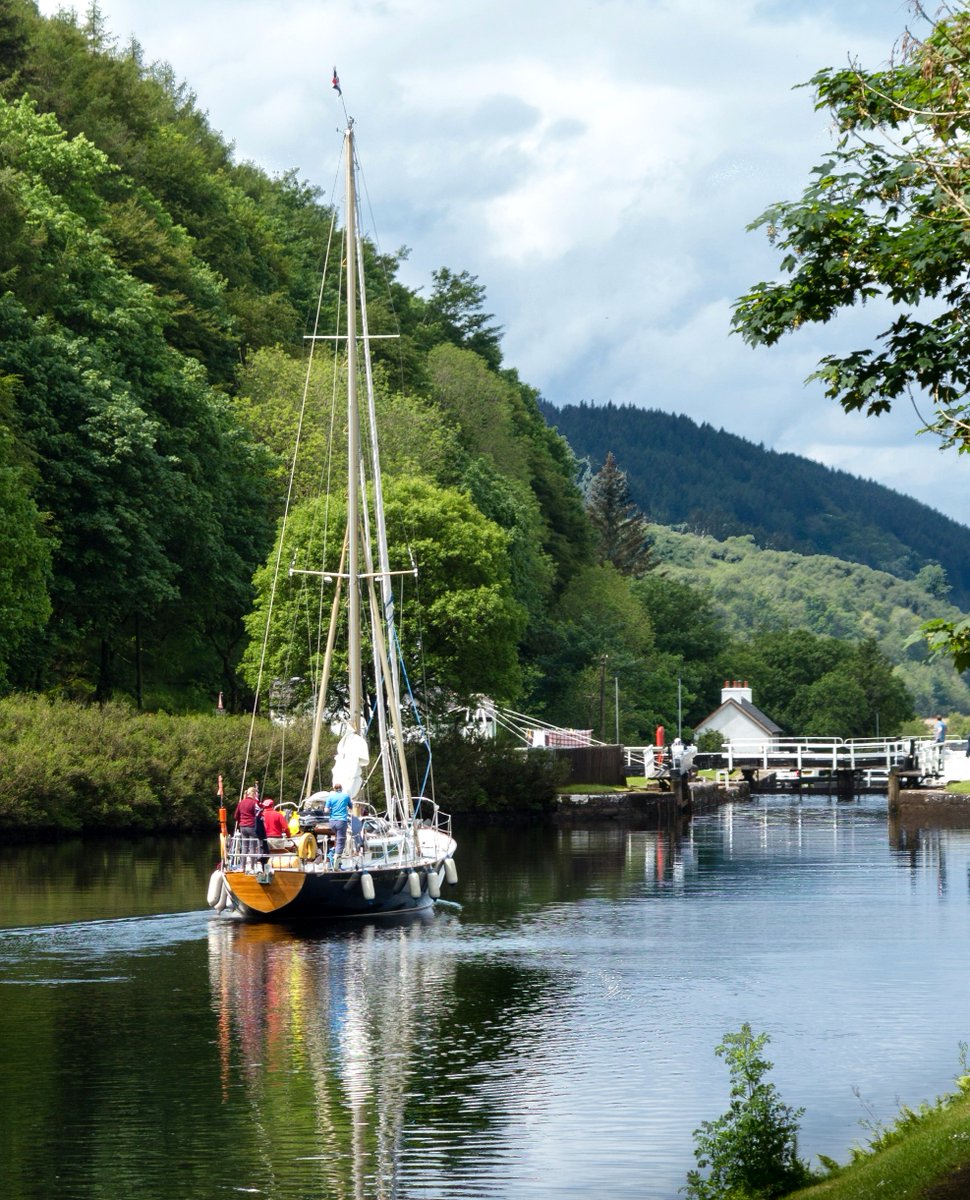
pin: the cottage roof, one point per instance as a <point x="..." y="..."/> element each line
<point x="751" y="711"/>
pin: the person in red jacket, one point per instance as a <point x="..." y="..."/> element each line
<point x="274" y="823"/>
<point x="245" y="814"/>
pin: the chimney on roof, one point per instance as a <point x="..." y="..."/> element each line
<point x="735" y="690"/>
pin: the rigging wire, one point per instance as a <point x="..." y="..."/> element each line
<point x="286" y="508"/>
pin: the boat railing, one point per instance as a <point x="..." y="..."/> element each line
<point x="242" y="851"/>
<point x="427" y="815"/>
<point x="372" y="837"/>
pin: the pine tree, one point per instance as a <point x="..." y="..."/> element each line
<point x="620" y="527"/>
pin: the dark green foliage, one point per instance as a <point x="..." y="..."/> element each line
<point x="73" y="767"/>
<point x="822" y="687"/>
<point x="689" y="639"/>
<point x="885" y="216"/>
<point x="712" y="482"/>
<point x="751" y="1152"/>
<point x="24" y="551"/>
<point x="620" y="527"/>
<point x="486" y="776"/>
<point x="13" y="42"/>
<point x="455" y="314"/>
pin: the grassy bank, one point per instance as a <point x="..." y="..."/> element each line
<point x="924" y="1156"/>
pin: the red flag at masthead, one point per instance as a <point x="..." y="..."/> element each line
<point x="336" y="82"/>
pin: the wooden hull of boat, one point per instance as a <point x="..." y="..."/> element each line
<point x="299" y="896"/>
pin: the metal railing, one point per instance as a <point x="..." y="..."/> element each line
<point x="835" y="754"/>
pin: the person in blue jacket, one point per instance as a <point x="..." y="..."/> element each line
<point x="339" y="805"/>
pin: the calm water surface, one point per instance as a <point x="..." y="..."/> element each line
<point x="553" y="1035"/>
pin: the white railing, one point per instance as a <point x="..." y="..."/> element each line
<point x="836" y="754"/>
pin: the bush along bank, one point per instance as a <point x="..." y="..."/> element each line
<point x="73" y="768"/>
<point x="69" y="768"/>
<point x="751" y="1152"/>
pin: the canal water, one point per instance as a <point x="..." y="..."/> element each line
<point x="552" y="1037"/>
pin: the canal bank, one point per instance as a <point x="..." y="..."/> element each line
<point x="684" y="798"/>
<point x="926" y="806"/>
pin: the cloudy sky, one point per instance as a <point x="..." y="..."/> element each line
<point x="593" y="162"/>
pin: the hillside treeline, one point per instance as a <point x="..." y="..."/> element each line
<point x="715" y="483"/>
<point x="154" y="294"/>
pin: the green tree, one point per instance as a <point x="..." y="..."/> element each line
<point x="600" y="641"/>
<point x="459" y="625"/>
<point x="886" y="218"/>
<point x="154" y="494"/>
<point x="751" y="1152"/>
<point x="689" y="641"/>
<point x="455" y="313"/>
<point x="24" y="551"/>
<point x="14" y="18"/>
<point x="620" y="527"/>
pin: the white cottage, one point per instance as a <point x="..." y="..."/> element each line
<point x="738" y="720"/>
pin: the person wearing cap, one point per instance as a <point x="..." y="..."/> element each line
<point x="274" y="823"/>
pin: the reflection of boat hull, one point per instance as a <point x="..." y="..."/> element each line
<point x="305" y="895"/>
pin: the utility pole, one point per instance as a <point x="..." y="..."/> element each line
<point x="679" y="709"/>
<point x="603" y="698"/>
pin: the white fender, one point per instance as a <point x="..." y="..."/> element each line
<point x="216" y="880"/>
<point x="414" y="884"/>
<point x="225" y="898"/>
<point x="434" y="885"/>
<point x="367" y="886"/>
<point x="451" y="871"/>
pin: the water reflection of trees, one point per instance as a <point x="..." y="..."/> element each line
<point x="79" y="879"/>
<point x="362" y="1053"/>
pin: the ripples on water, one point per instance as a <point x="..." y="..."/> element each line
<point x="554" y="1035"/>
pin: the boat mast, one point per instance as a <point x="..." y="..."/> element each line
<point x="397" y="787"/>
<point x="355" y="721"/>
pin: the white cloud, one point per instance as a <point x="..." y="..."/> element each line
<point x="594" y="162"/>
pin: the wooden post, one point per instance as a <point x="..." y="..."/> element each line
<point x="894" y="790"/>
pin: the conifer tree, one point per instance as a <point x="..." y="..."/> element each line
<point x="620" y="527"/>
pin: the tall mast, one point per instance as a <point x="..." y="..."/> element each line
<point x="397" y="786"/>
<point x="353" y="445"/>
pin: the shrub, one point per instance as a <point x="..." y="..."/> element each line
<point x="710" y="741"/>
<point x="71" y="767"/>
<point x="475" y="774"/>
<point x="751" y="1152"/>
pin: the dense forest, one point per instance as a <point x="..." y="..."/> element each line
<point x="712" y="482"/>
<point x="154" y="294"/>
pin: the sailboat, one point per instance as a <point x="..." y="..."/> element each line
<point x="390" y="859"/>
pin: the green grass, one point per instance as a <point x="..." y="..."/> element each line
<point x="589" y="789"/>
<point x="925" y="1149"/>
<point x="962" y="785"/>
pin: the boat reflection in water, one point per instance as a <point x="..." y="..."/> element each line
<point x="320" y="1037"/>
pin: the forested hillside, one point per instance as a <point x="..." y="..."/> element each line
<point x="153" y="299"/>
<point x="764" y="591"/>
<point x="712" y="482"/>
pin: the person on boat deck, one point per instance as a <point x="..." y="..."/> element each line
<point x="939" y="731"/>
<point x="245" y="814"/>
<point x="339" y="805"/>
<point x="274" y="823"/>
